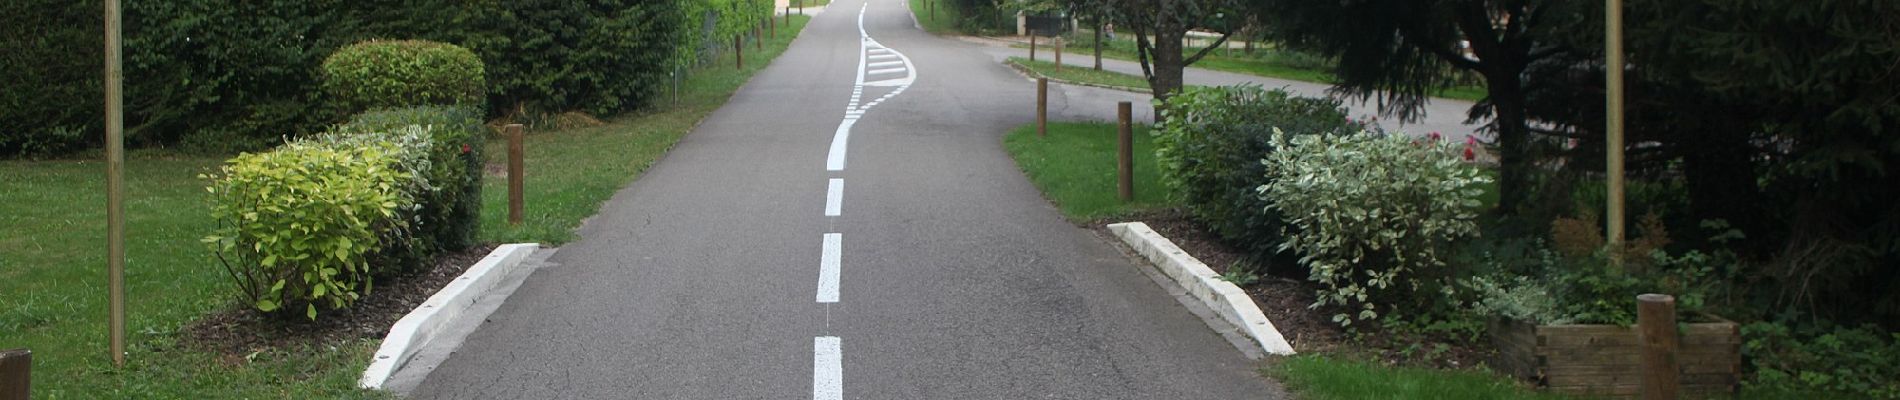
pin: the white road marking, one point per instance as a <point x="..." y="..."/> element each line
<point x="869" y="50"/>
<point x="828" y="268"/>
<point x="827" y="375"/>
<point x="834" y="198"/>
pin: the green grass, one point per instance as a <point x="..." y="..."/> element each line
<point x="1321" y="377"/>
<point x="944" y="19"/>
<point x="52" y="267"/>
<point x="1075" y="168"/>
<point x="1083" y="75"/>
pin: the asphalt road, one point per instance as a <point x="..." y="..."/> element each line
<point x="708" y="277"/>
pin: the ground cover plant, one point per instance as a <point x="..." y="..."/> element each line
<point x="1082" y="75"/>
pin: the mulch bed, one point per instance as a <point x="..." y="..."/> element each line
<point x="241" y="330"/>
<point x="1287" y="302"/>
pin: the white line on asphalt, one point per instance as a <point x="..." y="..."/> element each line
<point x="883" y="56"/>
<point x="885" y="71"/>
<point x="835" y="162"/>
<point x="834" y="198"/>
<point x="828" y="268"/>
<point x="886" y="64"/>
<point x="827" y="375"/>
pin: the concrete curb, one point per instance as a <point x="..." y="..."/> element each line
<point x="1199" y="281"/>
<point x="1033" y="75"/>
<point x="426" y="321"/>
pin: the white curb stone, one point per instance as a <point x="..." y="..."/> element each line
<point x="1199" y="281"/>
<point x="426" y="321"/>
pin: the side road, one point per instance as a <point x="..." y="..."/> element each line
<point x="1446" y="116"/>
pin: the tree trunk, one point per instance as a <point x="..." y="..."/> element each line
<point x="1513" y="140"/>
<point x="1098" y="44"/>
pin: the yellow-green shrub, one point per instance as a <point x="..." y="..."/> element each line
<point x="295" y="223"/>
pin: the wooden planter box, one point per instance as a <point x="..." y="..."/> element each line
<point x="1605" y="360"/>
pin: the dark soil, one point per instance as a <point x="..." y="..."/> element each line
<point x="242" y="330"/>
<point x="1287" y="302"/>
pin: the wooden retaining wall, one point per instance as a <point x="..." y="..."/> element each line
<point x="1605" y="360"/>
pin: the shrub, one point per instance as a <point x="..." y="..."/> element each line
<point x="399" y="73"/>
<point x="295" y="224"/>
<point x="1371" y="216"/>
<point x="1861" y="362"/>
<point x="1210" y="148"/>
<point x="450" y="209"/>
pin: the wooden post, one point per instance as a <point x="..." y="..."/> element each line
<point x="1032" y="46"/>
<point x="738" y="51"/>
<point x="1656" y="333"/>
<point x="933" y="9"/>
<point x="1613" y="143"/>
<point x="516" y="180"/>
<point x="1042" y="107"/>
<point x="1058" y="43"/>
<point x="773" y="24"/>
<point x="758" y="39"/>
<point x="16" y="374"/>
<point x="115" y="182"/>
<point x="1125" y="156"/>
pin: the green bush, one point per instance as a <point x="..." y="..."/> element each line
<point x="401" y="73"/>
<point x="1372" y="216"/>
<point x="451" y="209"/>
<point x="1861" y="362"/>
<point x="1210" y="148"/>
<point x="295" y="224"/>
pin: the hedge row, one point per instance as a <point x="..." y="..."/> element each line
<point x="225" y="75"/>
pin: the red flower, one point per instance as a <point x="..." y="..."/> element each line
<point x="465" y="148"/>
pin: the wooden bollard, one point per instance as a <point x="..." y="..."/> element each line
<point x="773" y="24"/>
<point x="738" y="51"/>
<point x="1032" y="46"/>
<point x="758" y="37"/>
<point x="516" y="181"/>
<point x="1042" y="107"/>
<point x="1656" y="333"/>
<point x="1125" y="154"/>
<point x="16" y="374"/>
<point x="1058" y="46"/>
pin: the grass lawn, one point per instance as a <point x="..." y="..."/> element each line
<point x="52" y="267"/>
<point x="1084" y="75"/>
<point x="944" y="19"/>
<point x="1075" y="168"/>
<point x="1320" y="377"/>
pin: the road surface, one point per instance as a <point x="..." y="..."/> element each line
<point x="848" y="226"/>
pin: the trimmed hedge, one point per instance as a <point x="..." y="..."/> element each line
<point x="224" y="76"/>
<point x="399" y="73"/>
<point x="451" y="211"/>
<point x="1210" y="147"/>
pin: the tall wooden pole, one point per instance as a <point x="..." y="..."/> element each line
<point x="115" y="182"/>
<point x="1613" y="145"/>
<point x="1032" y="46"/>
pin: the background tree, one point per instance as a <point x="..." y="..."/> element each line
<point x="1400" y="51"/>
<point x="1161" y="25"/>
